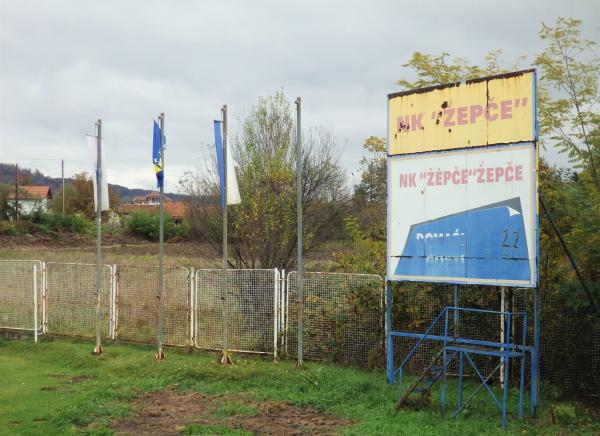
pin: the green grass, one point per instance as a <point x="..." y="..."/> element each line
<point x="57" y="387"/>
<point x="228" y="410"/>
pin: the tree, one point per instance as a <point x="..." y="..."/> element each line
<point x="79" y="197"/>
<point x="571" y="68"/>
<point x="262" y="230"/>
<point x="7" y="210"/>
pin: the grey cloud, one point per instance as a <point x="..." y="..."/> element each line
<point x="64" y="64"/>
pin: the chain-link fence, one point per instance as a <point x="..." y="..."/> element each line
<point x="570" y="345"/>
<point x="343" y="314"/>
<point x="21" y="295"/>
<point x="71" y="299"/>
<point x="250" y="305"/>
<point x="342" y="317"/>
<point x="137" y="304"/>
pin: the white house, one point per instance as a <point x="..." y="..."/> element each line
<point x="31" y="198"/>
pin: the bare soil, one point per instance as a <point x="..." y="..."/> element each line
<point x="168" y="412"/>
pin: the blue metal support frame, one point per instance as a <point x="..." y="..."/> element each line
<point x="463" y="348"/>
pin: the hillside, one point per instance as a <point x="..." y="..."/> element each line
<point x="35" y="177"/>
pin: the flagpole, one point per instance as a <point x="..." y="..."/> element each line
<point x="161" y="285"/>
<point x="300" y="362"/>
<point x="225" y="358"/>
<point x="98" y="348"/>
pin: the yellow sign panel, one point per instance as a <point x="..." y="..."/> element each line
<point x="493" y="110"/>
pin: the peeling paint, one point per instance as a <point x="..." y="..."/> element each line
<point x="487" y="111"/>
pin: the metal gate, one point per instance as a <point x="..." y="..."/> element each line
<point x="251" y="309"/>
<point x="22" y="295"/>
<point x="71" y="299"/>
<point x="137" y="304"/>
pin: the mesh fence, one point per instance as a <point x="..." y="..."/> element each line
<point x="72" y="301"/>
<point x="137" y="303"/>
<point x="250" y="307"/>
<point x="17" y="282"/>
<point x="416" y="306"/>
<point x="570" y="345"/>
<point x="342" y="317"/>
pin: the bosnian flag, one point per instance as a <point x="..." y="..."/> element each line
<point x="233" y="192"/>
<point x="93" y="150"/>
<point x="157" y="160"/>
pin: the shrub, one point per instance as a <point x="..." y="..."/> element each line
<point x="52" y="222"/>
<point x="146" y="225"/>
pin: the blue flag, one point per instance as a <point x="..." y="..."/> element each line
<point x="156" y="156"/>
<point x="219" y="145"/>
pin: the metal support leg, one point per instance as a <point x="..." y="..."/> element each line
<point x="444" y="365"/>
<point x="505" y="391"/>
<point x="388" y="329"/>
<point x="460" y="377"/>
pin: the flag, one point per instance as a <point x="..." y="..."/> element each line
<point x="233" y="191"/>
<point x="157" y="157"/>
<point x="93" y="150"/>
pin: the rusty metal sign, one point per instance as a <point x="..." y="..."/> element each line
<point x="462" y="199"/>
<point x="493" y="110"/>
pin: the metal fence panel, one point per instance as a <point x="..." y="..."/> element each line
<point x="342" y="317"/>
<point x="137" y="304"/>
<point x="18" y="286"/>
<point x="251" y="302"/>
<point x="72" y="300"/>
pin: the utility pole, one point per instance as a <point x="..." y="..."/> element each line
<point x="62" y="190"/>
<point x="300" y="362"/>
<point x="98" y="348"/>
<point x="17" y="192"/>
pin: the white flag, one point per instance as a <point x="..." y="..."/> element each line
<point x="92" y="147"/>
<point x="233" y="191"/>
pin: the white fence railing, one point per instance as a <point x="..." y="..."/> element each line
<point x="342" y="312"/>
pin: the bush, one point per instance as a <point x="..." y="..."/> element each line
<point x="146" y="225"/>
<point x="52" y="222"/>
<point x="10" y="228"/>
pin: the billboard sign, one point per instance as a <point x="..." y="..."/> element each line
<point x="493" y="110"/>
<point x="465" y="215"/>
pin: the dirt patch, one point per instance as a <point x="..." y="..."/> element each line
<point x="168" y="413"/>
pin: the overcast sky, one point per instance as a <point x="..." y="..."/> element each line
<point x="63" y="64"/>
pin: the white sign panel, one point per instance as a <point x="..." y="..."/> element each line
<point x="464" y="216"/>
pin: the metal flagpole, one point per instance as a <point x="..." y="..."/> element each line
<point x="161" y="284"/>
<point x="62" y="170"/>
<point x="225" y="358"/>
<point x="300" y="362"/>
<point x="17" y="192"/>
<point x="98" y="348"/>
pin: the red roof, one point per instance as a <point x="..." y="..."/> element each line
<point x="176" y="209"/>
<point x="152" y="194"/>
<point x="32" y="192"/>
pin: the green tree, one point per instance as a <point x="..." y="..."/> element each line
<point x="570" y="69"/>
<point x="79" y="197"/>
<point x="262" y="230"/>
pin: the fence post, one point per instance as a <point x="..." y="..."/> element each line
<point x="113" y="297"/>
<point x="116" y="305"/>
<point x="192" y="306"/>
<point x="275" y="311"/>
<point x="35" y="304"/>
<point x="44" y="298"/>
<point x="282" y="309"/>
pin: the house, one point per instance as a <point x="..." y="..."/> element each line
<point x="31" y="198"/>
<point x="150" y="203"/>
<point x="152" y="198"/>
